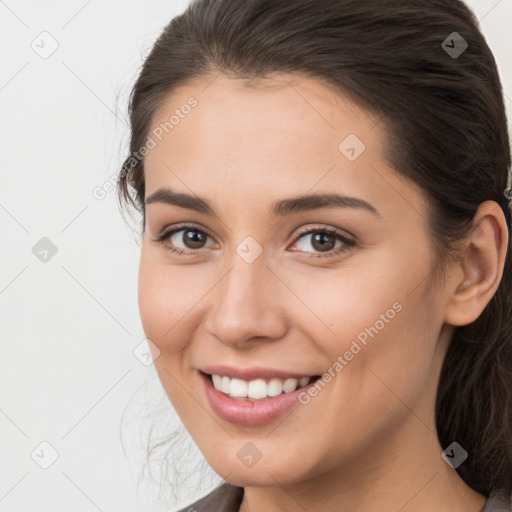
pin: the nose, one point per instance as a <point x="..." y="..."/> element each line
<point x="248" y="304"/>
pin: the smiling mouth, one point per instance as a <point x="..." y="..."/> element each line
<point x="257" y="389"/>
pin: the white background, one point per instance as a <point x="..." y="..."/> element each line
<point x="68" y="327"/>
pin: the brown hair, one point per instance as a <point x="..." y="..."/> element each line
<point x="445" y="118"/>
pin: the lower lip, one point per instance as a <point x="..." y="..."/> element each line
<point x="246" y="412"/>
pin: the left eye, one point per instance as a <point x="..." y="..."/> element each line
<point x="322" y="239"/>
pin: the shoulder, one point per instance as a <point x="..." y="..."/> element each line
<point x="498" y="503"/>
<point x="225" y="498"/>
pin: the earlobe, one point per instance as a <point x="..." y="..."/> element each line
<point x="482" y="265"/>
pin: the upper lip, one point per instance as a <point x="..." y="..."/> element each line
<point x="255" y="372"/>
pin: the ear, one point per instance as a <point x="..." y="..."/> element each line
<point x="481" y="266"/>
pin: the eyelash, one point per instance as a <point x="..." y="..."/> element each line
<point x="348" y="244"/>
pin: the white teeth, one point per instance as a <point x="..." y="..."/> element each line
<point x="238" y="388"/>
<point x="304" y="381"/>
<point x="257" y="389"/>
<point x="290" y="385"/>
<point x="217" y="381"/>
<point x="275" y="387"/>
<point x="224" y="387"/>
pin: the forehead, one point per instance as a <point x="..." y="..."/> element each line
<point x="283" y="104"/>
<point x="289" y="133"/>
<point x="288" y="117"/>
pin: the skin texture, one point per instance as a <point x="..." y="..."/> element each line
<point x="367" y="441"/>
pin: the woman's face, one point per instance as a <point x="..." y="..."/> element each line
<point x="262" y="294"/>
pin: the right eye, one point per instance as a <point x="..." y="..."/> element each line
<point x="192" y="238"/>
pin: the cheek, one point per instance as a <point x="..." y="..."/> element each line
<point x="163" y="305"/>
<point x="337" y="306"/>
<point x="394" y="364"/>
<point x="379" y="325"/>
<point x="161" y="302"/>
<point x="152" y="300"/>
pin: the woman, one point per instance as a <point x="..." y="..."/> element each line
<point x="326" y="269"/>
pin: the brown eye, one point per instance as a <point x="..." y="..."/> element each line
<point x="183" y="239"/>
<point x="193" y="238"/>
<point x="188" y="240"/>
<point x="324" y="241"/>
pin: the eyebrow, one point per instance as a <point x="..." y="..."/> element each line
<point x="279" y="208"/>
